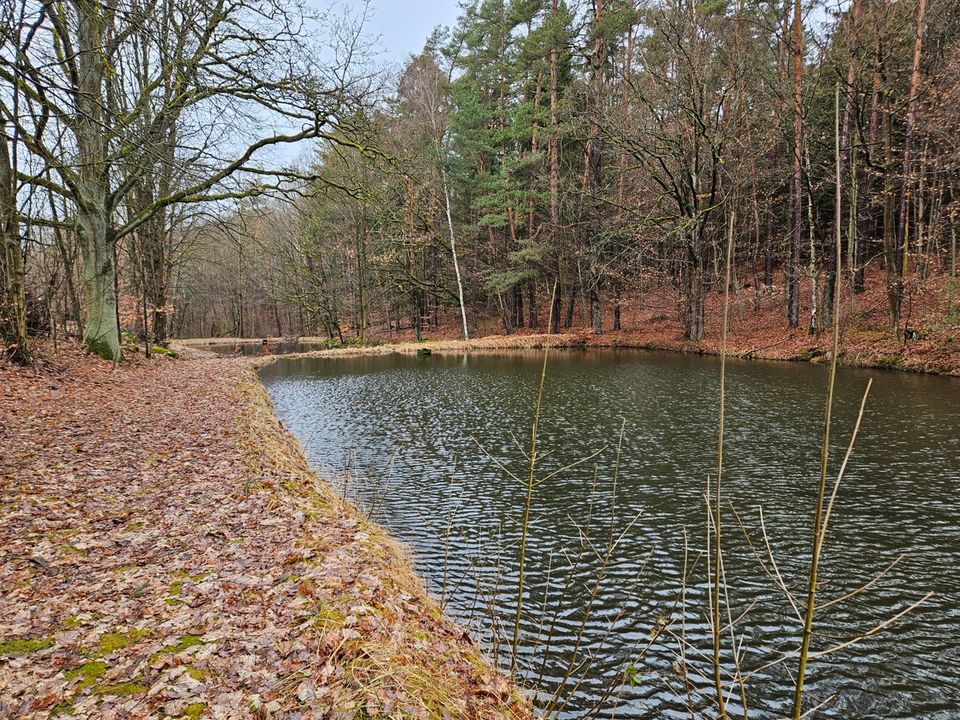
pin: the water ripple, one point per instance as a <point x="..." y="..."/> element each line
<point x="406" y="434"/>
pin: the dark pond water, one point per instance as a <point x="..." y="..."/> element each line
<point x="256" y="348"/>
<point x="409" y="433"/>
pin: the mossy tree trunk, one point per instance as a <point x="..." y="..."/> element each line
<point x="102" y="333"/>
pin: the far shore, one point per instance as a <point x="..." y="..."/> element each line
<point x="930" y="356"/>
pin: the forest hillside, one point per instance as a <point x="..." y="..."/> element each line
<point x="541" y="166"/>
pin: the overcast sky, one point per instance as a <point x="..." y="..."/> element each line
<point x="400" y="28"/>
<point x="404" y="25"/>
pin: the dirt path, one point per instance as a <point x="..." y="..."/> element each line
<point x="165" y="552"/>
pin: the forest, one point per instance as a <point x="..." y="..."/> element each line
<point x="541" y="165"/>
<point x="332" y="385"/>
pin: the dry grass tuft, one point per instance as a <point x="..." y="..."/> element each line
<point x="383" y="647"/>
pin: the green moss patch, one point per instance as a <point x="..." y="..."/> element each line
<point x="161" y="350"/>
<point x="64" y="708"/>
<point x="71" y="550"/>
<point x="88" y="673"/>
<point x="194" y="711"/>
<point x="185" y="643"/>
<point x="103" y="348"/>
<point x="25" y="646"/>
<point x="111" y="642"/>
<point x="122" y="689"/>
<point x="198" y="674"/>
<point x="327" y="618"/>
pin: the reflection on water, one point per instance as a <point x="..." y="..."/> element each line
<point x="275" y="347"/>
<point x="411" y="430"/>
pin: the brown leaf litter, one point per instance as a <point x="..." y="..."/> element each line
<point x="165" y="552"/>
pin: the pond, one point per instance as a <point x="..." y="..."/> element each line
<point x="276" y="347"/>
<point x="613" y="616"/>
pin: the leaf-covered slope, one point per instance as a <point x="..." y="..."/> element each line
<point x="164" y="550"/>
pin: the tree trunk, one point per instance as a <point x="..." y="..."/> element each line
<point x="568" y="320"/>
<point x="102" y="334"/>
<point x="616" y="306"/>
<point x="592" y="172"/>
<point x="905" y="181"/>
<point x="534" y="321"/>
<point x="504" y="315"/>
<point x="829" y="286"/>
<point x="596" y="311"/>
<point x="517" y="306"/>
<point x="855" y="262"/>
<point x="622" y="177"/>
<point x="555" y="307"/>
<point x="796" y="235"/>
<point x="891" y="249"/>
<point x="768" y="253"/>
<point x="815" y="322"/>
<point x="953" y="264"/>
<point x="361" y="280"/>
<point x="13" y="318"/>
<point x="554" y="179"/>
<point x="866" y="217"/>
<point x="453" y="252"/>
<point x="847" y="160"/>
<point x="693" y="295"/>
